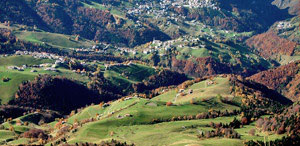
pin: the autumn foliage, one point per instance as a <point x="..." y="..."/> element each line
<point x="268" y="44"/>
<point x="75" y="19"/>
<point x="163" y="79"/>
<point x="169" y="104"/>
<point x="35" y="133"/>
<point x="205" y="66"/>
<point x="285" y="79"/>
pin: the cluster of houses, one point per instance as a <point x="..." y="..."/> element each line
<point x="103" y="48"/>
<point x="40" y="55"/>
<point x="161" y="9"/>
<point x="157" y="10"/>
<point x="283" y="25"/>
<point x="108" y="66"/>
<point x="17" y="68"/>
<point x="94" y="49"/>
<point x="157" y="45"/>
<point x="203" y="4"/>
<point x="161" y="46"/>
<point x="184" y="41"/>
<point x="126" y="50"/>
<point x="46" y="66"/>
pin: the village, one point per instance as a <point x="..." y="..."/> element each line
<point x="61" y="61"/>
<point x="39" y="55"/>
<point x="162" y="47"/>
<point x="163" y="5"/>
<point x="283" y="25"/>
<point x="100" y="48"/>
<point x="161" y="9"/>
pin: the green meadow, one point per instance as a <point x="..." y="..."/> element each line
<point x="53" y="39"/>
<point x="9" y="88"/>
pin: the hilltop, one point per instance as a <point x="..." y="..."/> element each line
<point x="194" y="105"/>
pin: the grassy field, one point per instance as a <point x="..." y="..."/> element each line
<point x="20" y="141"/>
<point x="21" y="60"/>
<point x="149" y="109"/>
<point x="8" y="89"/>
<point x="258" y="135"/>
<point x="284" y="59"/>
<point x="94" y="5"/>
<point x="92" y="111"/>
<point x="138" y="128"/>
<point x="5" y="134"/>
<point x="125" y="76"/>
<point x="53" y="39"/>
<point x="113" y="10"/>
<point x="167" y="133"/>
<point x="201" y="90"/>
<point x="32" y="119"/>
<point x="229" y="53"/>
<point x="121" y="76"/>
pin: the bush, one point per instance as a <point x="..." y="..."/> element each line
<point x="193" y="101"/>
<point x="169" y="103"/>
<point x="281" y="130"/>
<point x="259" y="122"/>
<point x="5" y="79"/>
<point x="35" y="133"/>
<point x="252" y="132"/>
<point x="244" y="121"/>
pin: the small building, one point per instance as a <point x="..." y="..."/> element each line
<point x="181" y="90"/>
<point x="210" y="82"/>
<point x="105" y="105"/>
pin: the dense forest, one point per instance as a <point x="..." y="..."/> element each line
<point x="284" y="79"/>
<point x="54" y="93"/>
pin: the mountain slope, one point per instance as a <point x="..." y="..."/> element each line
<point x="254" y="15"/>
<point x="281" y="42"/>
<point x="269" y="44"/>
<point x="285" y="79"/>
<point x="71" y="17"/>
<point x="18" y="11"/>
<point x="292" y="5"/>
